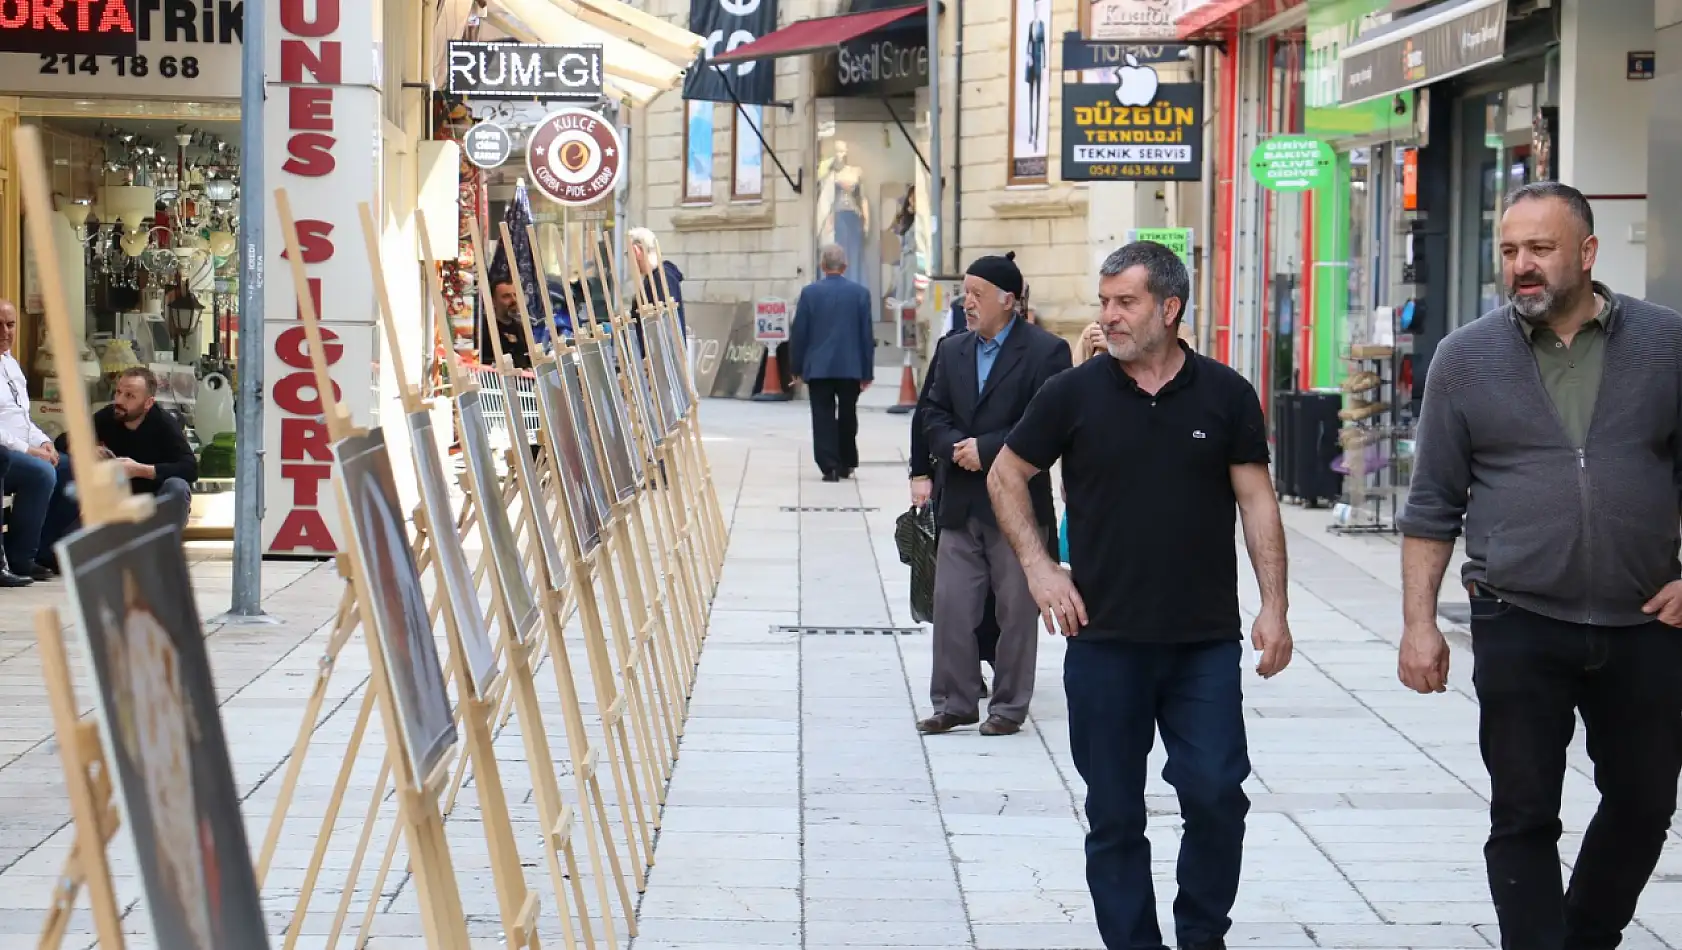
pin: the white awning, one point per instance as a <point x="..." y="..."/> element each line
<point x="643" y="54"/>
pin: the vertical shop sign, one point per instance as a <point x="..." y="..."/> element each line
<point x="321" y="139"/>
<point x="722" y="26"/>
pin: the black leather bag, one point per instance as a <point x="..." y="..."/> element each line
<point x="917" y="539"/>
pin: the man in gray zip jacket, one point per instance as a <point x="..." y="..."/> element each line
<point x="1553" y="427"/>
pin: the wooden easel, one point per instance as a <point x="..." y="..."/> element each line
<point x="680" y="563"/>
<point x="443" y="918"/>
<point x="640" y="662"/>
<point x="695" y="482"/>
<point x="668" y="625"/>
<point x="537" y="532"/>
<point x="104" y="499"/>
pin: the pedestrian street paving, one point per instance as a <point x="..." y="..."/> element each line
<point x="805" y="810"/>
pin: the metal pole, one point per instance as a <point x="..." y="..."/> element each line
<point x="937" y="239"/>
<point x="247" y="602"/>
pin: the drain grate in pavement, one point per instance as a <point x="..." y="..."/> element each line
<point x="849" y="631"/>
<point x="807" y="508"/>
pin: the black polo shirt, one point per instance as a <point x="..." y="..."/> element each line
<point x="1148" y="485"/>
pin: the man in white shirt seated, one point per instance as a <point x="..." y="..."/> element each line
<point x="34" y="471"/>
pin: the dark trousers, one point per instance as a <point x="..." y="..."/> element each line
<point x="174" y="498"/>
<point x="1533" y="677"/>
<point x="835" y="424"/>
<point x="1119" y="695"/>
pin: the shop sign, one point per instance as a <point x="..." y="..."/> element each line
<point x="1082" y="53"/>
<point x="1180" y="241"/>
<point x="574" y="157"/>
<point x="770" y="321"/>
<point x="487" y="145"/>
<point x="1131" y="21"/>
<point x="76" y="27"/>
<point x="525" y="71"/>
<point x="179" y="50"/>
<point x="1640" y="65"/>
<point x="321" y="127"/>
<point x="891" y="63"/>
<point x="1333" y="26"/>
<point x="1425" y="52"/>
<point x="1137" y="131"/>
<point x="1292" y="163"/>
<point x="724" y="25"/>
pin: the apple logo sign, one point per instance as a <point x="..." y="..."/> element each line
<point x="1138" y="83"/>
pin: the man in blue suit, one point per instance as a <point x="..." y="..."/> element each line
<point x="832" y="350"/>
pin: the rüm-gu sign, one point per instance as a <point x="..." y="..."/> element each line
<point x="525" y="70"/>
<point x="82" y="27"/>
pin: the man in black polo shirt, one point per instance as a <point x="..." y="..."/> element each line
<point x="1159" y="447"/>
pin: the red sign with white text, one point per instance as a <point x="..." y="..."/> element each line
<point x="82" y="27"/>
<point x="320" y="127"/>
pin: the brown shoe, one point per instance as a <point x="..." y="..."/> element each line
<point x="944" y="722"/>
<point x="1000" y="726"/>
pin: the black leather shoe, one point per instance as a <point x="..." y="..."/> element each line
<point x="8" y="579"/>
<point x="1206" y="945"/>
<point x="40" y="572"/>
<point x="845" y="473"/>
<point x="831" y="476"/>
<point x="944" y="722"/>
<point x="1000" y="726"/>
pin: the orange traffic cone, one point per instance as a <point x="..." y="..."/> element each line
<point x="772" y="389"/>
<point x="907" y="389"/>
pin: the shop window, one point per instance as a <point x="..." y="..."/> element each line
<point x="866" y="191"/>
<point x="698" y="151"/>
<point x="747" y="154"/>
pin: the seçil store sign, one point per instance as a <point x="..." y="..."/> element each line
<point x="321" y="143"/>
<point x="82" y="27"/>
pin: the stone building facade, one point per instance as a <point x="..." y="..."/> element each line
<point x="737" y="250"/>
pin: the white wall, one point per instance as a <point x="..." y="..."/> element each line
<point x="1603" y="127"/>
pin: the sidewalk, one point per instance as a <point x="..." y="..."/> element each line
<point x="805" y="811"/>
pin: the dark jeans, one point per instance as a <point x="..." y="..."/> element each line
<point x="1119" y="695"/>
<point x="835" y="423"/>
<point x="173" y="496"/>
<point x="36" y="489"/>
<point x="1533" y="676"/>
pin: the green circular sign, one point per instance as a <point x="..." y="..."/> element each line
<point x="1292" y="163"/>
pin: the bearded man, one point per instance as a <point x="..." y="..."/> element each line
<point x="1564" y="410"/>
<point x="1162" y="452"/>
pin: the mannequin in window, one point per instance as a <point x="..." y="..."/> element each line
<point x="843" y="210"/>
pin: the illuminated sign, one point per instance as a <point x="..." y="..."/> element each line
<point x="81" y="27"/>
<point x="525" y="70"/>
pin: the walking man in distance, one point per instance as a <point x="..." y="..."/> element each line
<point x="831" y="348"/>
<point x="1562" y="409"/>
<point x="987" y="377"/>
<point x="1162" y="451"/>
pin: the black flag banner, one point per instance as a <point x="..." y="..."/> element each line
<point x="725" y="25"/>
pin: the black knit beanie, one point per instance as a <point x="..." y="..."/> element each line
<point x="1001" y="272"/>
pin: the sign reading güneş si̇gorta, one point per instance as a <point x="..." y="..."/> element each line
<point x="1292" y="163"/>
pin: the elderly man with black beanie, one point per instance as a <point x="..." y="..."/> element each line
<point x="987" y="377"/>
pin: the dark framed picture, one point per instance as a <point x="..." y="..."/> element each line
<point x="573" y="378"/>
<point x="133" y="603"/>
<point x="660" y="371"/>
<point x="648" y="408"/>
<point x="390" y="578"/>
<point x="531" y="493"/>
<point x="463" y="609"/>
<point x="624" y="463"/>
<point x="679" y="358"/>
<point x="494" y="528"/>
<point x="570" y="459"/>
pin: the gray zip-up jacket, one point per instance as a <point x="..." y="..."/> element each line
<point x="1581" y="535"/>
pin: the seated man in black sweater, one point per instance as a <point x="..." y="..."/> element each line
<point x="149" y="443"/>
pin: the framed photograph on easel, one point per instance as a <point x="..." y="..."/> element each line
<point x="133" y="600"/>
<point x="574" y="464"/>
<point x="624" y="465"/>
<point x="482" y="479"/>
<point x="401" y="619"/>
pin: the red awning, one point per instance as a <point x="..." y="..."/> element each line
<point x="809" y="36"/>
<point x="1203" y="16"/>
